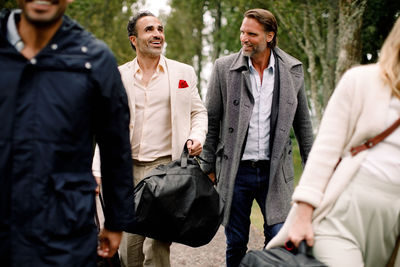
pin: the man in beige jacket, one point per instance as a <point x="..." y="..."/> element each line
<point x="166" y="113"/>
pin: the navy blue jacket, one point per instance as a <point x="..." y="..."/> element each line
<point x="53" y="109"/>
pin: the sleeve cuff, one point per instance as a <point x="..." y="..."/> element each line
<point x="308" y="195"/>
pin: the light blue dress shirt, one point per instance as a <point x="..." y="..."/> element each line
<point x="257" y="145"/>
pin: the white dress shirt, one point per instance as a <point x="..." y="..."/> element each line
<point x="257" y="144"/>
<point x="152" y="129"/>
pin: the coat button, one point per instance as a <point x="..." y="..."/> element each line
<point x="225" y="157"/>
<point x="84" y="49"/>
<point x="230" y="130"/>
<point x="235" y="102"/>
<point x="54" y="46"/>
<point x="19" y="45"/>
<point x="88" y="65"/>
<point x="33" y="61"/>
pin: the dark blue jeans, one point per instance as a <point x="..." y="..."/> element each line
<point x="251" y="183"/>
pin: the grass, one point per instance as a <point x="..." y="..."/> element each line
<point x="256" y="216"/>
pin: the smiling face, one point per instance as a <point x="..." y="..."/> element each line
<point x="150" y="37"/>
<point x="253" y="37"/>
<point x="43" y="12"/>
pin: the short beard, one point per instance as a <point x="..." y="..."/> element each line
<point x="52" y="1"/>
<point x="153" y="54"/>
<point x="42" y="24"/>
<point x="248" y="54"/>
<point x="38" y="23"/>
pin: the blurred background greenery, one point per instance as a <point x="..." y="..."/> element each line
<point x="327" y="36"/>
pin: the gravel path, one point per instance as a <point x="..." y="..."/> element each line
<point x="212" y="254"/>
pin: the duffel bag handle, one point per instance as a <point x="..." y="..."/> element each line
<point x="302" y="249"/>
<point x="184" y="155"/>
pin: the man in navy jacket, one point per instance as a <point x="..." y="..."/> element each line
<point x="60" y="92"/>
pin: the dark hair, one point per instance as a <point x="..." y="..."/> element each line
<point x="267" y="19"/>
<point x="131" y="27"/>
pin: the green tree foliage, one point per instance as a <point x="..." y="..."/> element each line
<point x="333" y="35"/>
<point x="227" y="24"/>
<point x="107" y="20"/>
<point x="8" y="4"/>
<point x="327" y="36"/>
<point x="378" y="20"/>
<point x="184" y="33"/>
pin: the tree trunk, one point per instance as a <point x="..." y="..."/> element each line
<point x="350" y="22"/>
<point x="331" y="48"/>
<point x="217" y="31"/>
<point x="199" y="43"/>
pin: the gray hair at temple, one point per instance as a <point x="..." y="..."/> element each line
<point x="131" y="27"/>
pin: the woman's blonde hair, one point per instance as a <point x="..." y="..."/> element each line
<point x="389" y="59"/>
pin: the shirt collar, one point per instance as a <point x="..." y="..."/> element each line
<point x="161" y="67"/>
<point x="271" y="63"/>
<point x="12" y="32"/>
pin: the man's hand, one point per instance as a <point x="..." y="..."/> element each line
<point x="301" y="228"/>
<point x="211" y="175"/>
<point x="108" y="243"/>
<point x="194" y="147"/>
<point x="98" y="181"/>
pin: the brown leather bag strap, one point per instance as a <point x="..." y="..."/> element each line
<point x="375" y="140"/>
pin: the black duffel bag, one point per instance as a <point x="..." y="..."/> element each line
<point x="281" y="257"/>
<point x="177" y="202"/>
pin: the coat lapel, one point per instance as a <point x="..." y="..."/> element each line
<point x="240" y="64"/>
<point x="286" y="110"/>
<point x="275" y="104"/>
<point x="129" y="84"/>
<point x="240" y="88"/>
<point x="173" y="84"/>
<point x="173" y="81"/>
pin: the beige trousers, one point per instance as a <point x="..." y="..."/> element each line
<point x="137" y="250"/>
<point x="362" y="227"/>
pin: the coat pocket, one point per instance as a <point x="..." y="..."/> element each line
<point x="219" y="153"/>
<point x="71" y="203"/>
<point x="287" y="164"/>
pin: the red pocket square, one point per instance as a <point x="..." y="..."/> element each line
<point x="183" y="84"/>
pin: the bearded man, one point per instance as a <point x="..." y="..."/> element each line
<point x="253" y="100"/>
<point x="167" y="113"/>
<point x="60" y="92"/>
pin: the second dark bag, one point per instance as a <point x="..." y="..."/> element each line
<point x="281" y="257"/>
<point x="177" y="202"/>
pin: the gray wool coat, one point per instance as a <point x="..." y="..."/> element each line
<point x="230" y="103"/>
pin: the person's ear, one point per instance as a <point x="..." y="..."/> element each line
<point x="270" y="36"/>
<point x="132" y="38"/>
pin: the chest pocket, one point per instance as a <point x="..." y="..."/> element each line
<point x="63" y="90"/>
<point x="70" y="207"/>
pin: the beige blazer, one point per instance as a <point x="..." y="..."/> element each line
<point x="356" y="111"/>
<point x="188" y="114"/>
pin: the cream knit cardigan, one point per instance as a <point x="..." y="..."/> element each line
<point x="356" y="111"/>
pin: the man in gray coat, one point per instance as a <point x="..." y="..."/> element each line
<point x="254" y="99"/>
